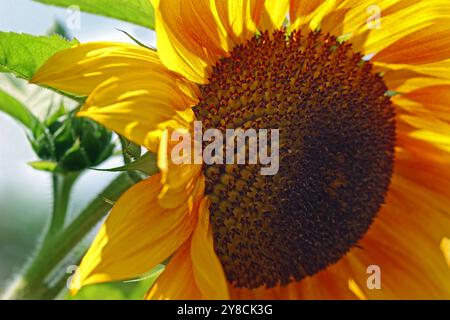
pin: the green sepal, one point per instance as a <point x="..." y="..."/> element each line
<point x="48" y="166"/>
<point x="147" y="164"/>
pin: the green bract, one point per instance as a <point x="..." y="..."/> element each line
<point x="72" y="144"/>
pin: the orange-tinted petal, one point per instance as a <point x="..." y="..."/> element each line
<point x="445" y="247"/>
<point x="137" y="235"/>
<point x="429" y="129"/>
<point x="273" y="14"/>
<point x="436" y="70"/>
<point x="326" y="285"/>
<point x="190" y="37"/>
<point x="425" y="45"/>
<point x="407" y="34"/>
<point x="208" y="272"/>
<point x="194" y="34"/>
<point x="177" y="281"/>
<point x="309" y="13"/>
<point x="435" y="99"/>
<point x="405" y="80"/>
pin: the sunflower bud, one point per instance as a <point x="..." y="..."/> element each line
<point x="72" y="144"/>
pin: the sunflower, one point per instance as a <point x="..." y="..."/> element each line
<point x="360" y="94"/>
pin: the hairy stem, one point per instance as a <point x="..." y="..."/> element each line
<point x="31" y="283"/>
<point x="62" y="188"/>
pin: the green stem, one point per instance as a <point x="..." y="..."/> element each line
<point x="31" y="283"/>
<point x="62" y="188"/>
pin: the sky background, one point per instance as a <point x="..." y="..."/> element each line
<point x="25" y="194"/>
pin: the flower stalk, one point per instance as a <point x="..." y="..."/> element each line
<point x="62" y="188"/>
<point x="59" y="242"/>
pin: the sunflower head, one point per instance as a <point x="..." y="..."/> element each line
<point x="336" y="154"/>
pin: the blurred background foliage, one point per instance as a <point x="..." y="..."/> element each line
<point x="25" y="193"/>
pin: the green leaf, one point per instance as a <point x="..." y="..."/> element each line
<point x="104" y="291"/>
<point x="139" y="12"/>
<point x="51" y="118"/>
<point x="130" y="150"/>
<point x="146" y="164"/>
<point x="139" y="43"/>
<point x="24" y="54"/>
<point x="18" y="111"/>
<point x="48" y="166"/>
<point x="123" y="290"/>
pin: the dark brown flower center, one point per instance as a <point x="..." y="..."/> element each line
<point x="337" y="136"/>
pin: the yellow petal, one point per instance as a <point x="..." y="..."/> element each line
<point x="273" y="14"/>
<point x="445" y="247"/>
<point x="140" y="109"/>
<point x="136" y="236"/>
<point x="208" y="272"/>
<point x="404" y="31"/>
<point x="429" y="129"/>
<point x="309" y="13"/>
<point x="437" y="69"/>
<point x="82" y="68"/>
<point x="426" y="45"/>
<point x="353" y="287"/>
<point x="178" y="180"/>
<point x="194" y="34"/>
<point x="240" y="18"/>
<point x="411" y="26"/>
<point x="177" y="281"/>
<point x="255" y="294"/>
<point x="174" y="195"/>
<point x="435" y="99"/>
<point x="351" y="17"/>
<point x="405" y="78"/>
<point x="189" y="36"/>
<point x="329" y="284"/>
<point x="194" y="272"/>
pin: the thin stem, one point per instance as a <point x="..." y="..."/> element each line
<point x="31" y="284"/>
<point x="62" y="188"/>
